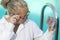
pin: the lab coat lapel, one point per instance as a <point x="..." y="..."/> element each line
<point x="3" y="20"/>
<point x="21" y="27"/>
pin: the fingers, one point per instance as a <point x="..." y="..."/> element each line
<point x="48" y="19"/>
<point x="51" y="28"/>
<point x="14" y="19"/>
<point x="51" y="23"/>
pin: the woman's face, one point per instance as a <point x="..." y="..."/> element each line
<point x="20" y="10"/>
<point x="22" y="13"/>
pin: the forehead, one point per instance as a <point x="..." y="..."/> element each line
<point x="21" y="11"/>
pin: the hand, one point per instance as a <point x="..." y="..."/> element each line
<point x="51" y="23"/>
<point x="13" y="19"/>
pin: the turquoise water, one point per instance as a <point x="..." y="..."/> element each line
<point x="35" y="7"/>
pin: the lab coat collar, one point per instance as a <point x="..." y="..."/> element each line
<point x="22" y="26"/>
<point x="8" y="25"/>
<point x="3" y="20"/>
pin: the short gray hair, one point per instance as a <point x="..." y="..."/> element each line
<point x="10" y="5"/>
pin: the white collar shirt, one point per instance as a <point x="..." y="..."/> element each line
<point x="27" y="31"/>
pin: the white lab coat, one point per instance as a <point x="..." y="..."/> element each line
<point x="27" y="31"/>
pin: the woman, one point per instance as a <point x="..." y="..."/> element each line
<point x="15" y="25"/>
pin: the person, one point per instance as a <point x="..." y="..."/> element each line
<point x="16" y="25"/>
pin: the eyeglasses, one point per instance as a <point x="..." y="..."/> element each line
<point x="23" y="17"/>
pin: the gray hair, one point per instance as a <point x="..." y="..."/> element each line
<point x="11" y="5"/>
